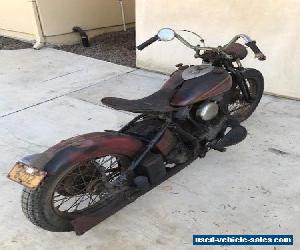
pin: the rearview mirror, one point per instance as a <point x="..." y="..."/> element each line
<point x="166" y="34"/>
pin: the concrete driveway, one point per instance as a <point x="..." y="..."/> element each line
<point x="253" y="188"/>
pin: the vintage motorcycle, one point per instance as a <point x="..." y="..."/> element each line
<point x="79" y="182"/>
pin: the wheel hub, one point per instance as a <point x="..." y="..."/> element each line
<point x="94" y="187"/>
<point x="88" y="185"/>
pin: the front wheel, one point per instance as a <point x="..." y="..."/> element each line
<point x="75" y="191"/>
<point x="238" y="107"/>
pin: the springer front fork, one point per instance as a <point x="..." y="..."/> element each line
<point x="240" y="80"/>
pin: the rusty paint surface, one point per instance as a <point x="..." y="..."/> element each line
<point x="93" y="145"/>
<point x="201" y="88"/>
<point x="83" y="147"/>
<point x="175" y="80"/>
<point x="166" y="143"/>
<point x="90" y="146"/>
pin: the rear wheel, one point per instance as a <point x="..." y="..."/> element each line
<point x="77" y="190"/>
<point x="239" y="108"/>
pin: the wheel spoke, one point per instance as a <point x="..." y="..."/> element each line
<point x="85" y="186"/>
<point x="64" y="201"/>
<point x="75" y="203"/>
<point x="240" y="107"/>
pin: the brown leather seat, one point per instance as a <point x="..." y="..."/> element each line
<point x="157" y="102"/>
<point x="237" y="51"/>
<point x="172" y="97"/>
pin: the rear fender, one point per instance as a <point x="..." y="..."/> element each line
<point x="93" y="145"/>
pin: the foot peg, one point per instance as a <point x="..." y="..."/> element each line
<point x="234" y="136"/>
<point x="141" y="182"/>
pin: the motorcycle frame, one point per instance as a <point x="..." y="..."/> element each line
<point x="168" y="124"/>
<point x="76" y="149"/>
<point x="239" y="75"/>
<point x="84" y="223"/>
<point x="55" y="158"/>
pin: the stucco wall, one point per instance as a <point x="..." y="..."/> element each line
<point x="275" y="24"/>
<point x="58" y="17"/>
<point x="16" y="19"/>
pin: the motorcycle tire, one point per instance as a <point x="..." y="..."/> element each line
<point x="40" y="207"/>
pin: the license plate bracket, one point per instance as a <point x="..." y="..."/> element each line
<point x="26" y="176"/>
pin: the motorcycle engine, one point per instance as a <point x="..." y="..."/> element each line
<point x="204" y="120"/>
<point x="207" y="111"/>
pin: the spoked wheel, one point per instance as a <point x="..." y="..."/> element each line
<point x="78" y="190"/>
<point x="239" y="108"/>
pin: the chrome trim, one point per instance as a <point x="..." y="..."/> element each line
<point x="245" y="37"/>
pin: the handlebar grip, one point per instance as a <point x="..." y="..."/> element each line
<point x="147" y="43"/>
<point x="258" y="54"/>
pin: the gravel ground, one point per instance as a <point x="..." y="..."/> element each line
<point x="116" y="47"/>
<point x="11" y="44"/>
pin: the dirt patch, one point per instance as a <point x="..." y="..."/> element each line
<point x="115" y="47"/>
<point x="12" y="44"/>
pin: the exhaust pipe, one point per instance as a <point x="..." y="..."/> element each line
<point x="237" y="134"/>
<point x="234" y="136"/>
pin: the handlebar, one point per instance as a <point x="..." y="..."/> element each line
<point x="258" y="54"/>
<point x="148" y="42"/>
<point x="248" y="42"/>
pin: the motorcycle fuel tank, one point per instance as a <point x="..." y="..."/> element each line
<point x="201" y="82"/>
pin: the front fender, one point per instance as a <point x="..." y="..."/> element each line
<point x="250" y="73"/>
<point x="81" y="148"/>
